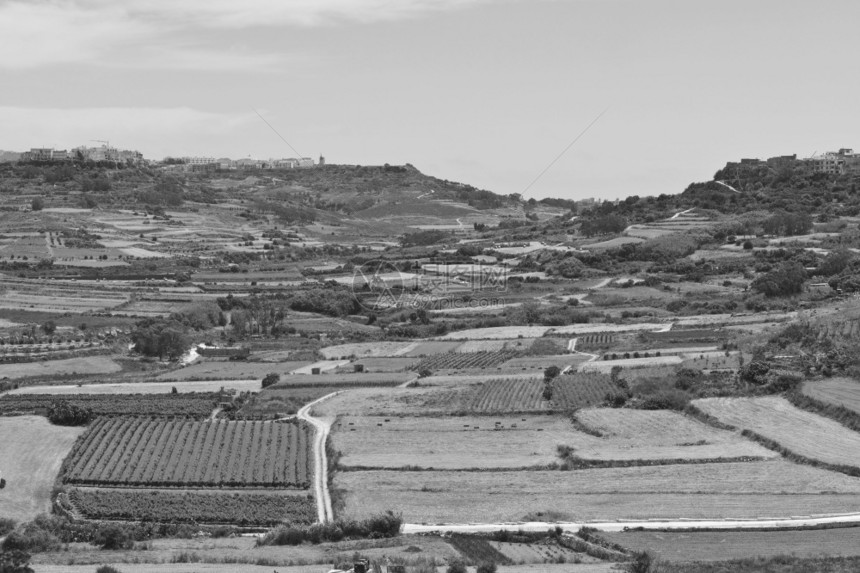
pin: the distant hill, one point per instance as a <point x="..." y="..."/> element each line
<point x="9" y="156"/>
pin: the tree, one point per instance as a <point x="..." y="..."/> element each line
<point x="785" y="280"/>
<point x="456" y="567"/>
<point x="270" y="379"/>
<point x="551" y="372"/>
<point x="37" y="204"/>
<point x="487" y="568"/>
<point x="159" y="337"/>
<point x="49" y="327"/>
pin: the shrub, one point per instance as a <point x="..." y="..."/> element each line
<point x="113" y="537"/>
<point x="15" y="562"/>
<point x="107" y="569"/>
<point x="670" y="399"/>
<point x="6" y="525"/>
<point x="271" y="378"/>
<point x="224" y="531"/>
<point x="31" y="538"/>
<point x="456" y="567"/>
<point x="487" y="568"/>
<point x="64" y="413"/>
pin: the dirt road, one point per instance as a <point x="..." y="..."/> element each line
<point x="322" y="426"/>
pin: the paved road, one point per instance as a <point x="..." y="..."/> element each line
<point x="322" y="426"/>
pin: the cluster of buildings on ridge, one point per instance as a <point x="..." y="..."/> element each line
<point x="831" y="162"/>
<point x="84" y="153"/>
<point x="128" y="157"/>
<point x="224" y="163"/>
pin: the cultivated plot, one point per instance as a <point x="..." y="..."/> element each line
<point x="626" y="434"/>
<point x="801" y="432"/>
<point x="722" y="545"/>
<point x="843" y="392"/>
<point x="69" y="366"/>
<point x="450" y="442"/>
<point x="157" y="452"/>
<point x="700" y="491"/>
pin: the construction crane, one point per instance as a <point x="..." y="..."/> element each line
<point x="107" y="143"/>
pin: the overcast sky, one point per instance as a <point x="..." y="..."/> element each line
<point x="479" y="91"/>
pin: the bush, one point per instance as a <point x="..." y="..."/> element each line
<point x="375" y="527"/>
<point x="107" y="569"/>
<point x="15" y="562"/>
<point x="456" y="567"/>
<point x="6" y="525"/>
<point x="113" y="537"/>
<point x="63" y="413"/>
<point x="487" y="568"/>
<point x="671" y="399"/>
<point x="270" y="379"/>
<point x="32" y="539"/>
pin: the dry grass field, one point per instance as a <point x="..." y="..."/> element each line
<point x="66" y="302"/>
<point x="657" y="434"/>
<point x="143" y="387"/>
<point x="31" y="452"/>
<point x="801" y="432"/>
<point x="722" y="545"/>
<point x="495" y="345"/>
<point x="371" y="364"/>
<point x="430" y="347"/>
<point x="703" y="491"/>
<point x="562" y="361"/>
<point x="367" y="349"/>
<point x="229" y="370"/>
<point x="606" y="366"/>
<point x="83" y="365"/>
<point x="451" y="442"/>
<point x="843" y="392"/>
<point x="496" y="332"/>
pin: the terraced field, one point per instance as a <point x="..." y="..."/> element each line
<point x="153" y="452"/>
<point x="458" y="442"/>
<point x="657" y="434"/>
<point x="719" y="545"/>
<point x="801" y="432"/>
<point x="730" y="490"/>
<point x="843" y="392"/>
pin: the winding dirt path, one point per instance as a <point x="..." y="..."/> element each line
<point x="322" y="427"/>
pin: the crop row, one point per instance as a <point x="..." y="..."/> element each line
<point x="507" y="395"/>
<point x="159" y="452"/>
<point x="161" y="506"/>
<point x="581" y="390"/>
<point x="457" y="361"/>
<point x="198" y="404"/>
